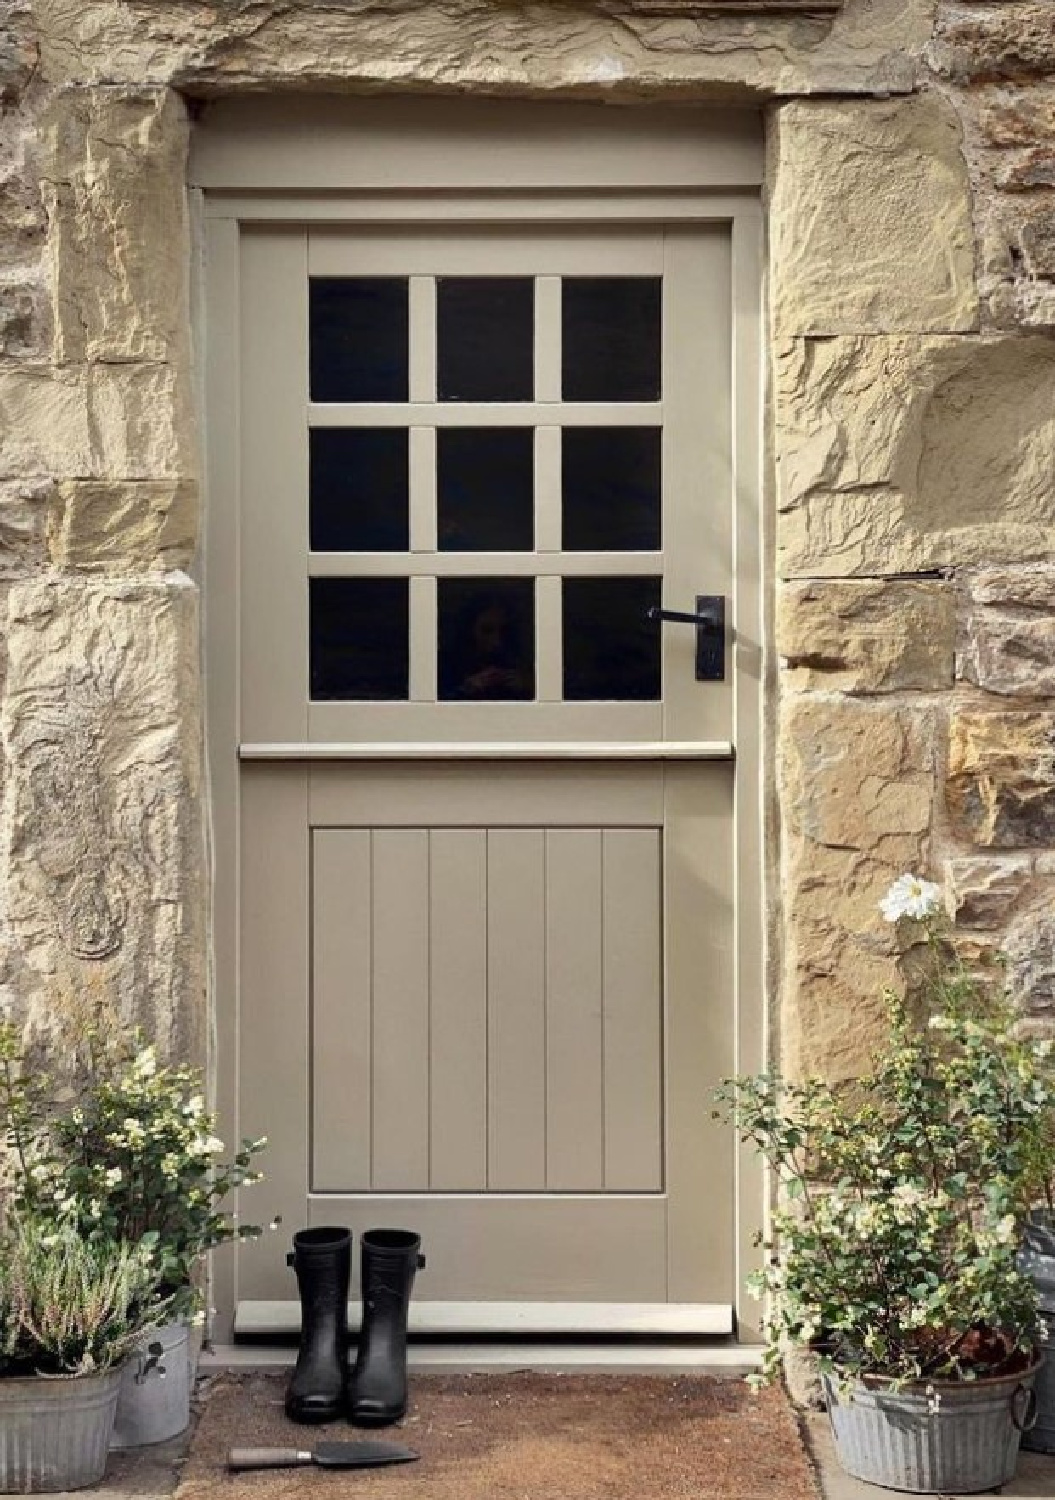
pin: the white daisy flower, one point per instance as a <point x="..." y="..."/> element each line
<point x="910" y="896"/>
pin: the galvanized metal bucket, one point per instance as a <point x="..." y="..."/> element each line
<point x="154" y="1404"/>
<point x="55" y="1432"/>
<point x="956" y="1437"/>
<point x="1037" y="1260"/>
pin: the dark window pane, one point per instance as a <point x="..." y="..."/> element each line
<point x="611" y="489"/>
<point x="486" y="638"/>
<point x="610" y="649"/>
<point x="359" y="489"/>
<point x="360" y="637"/>
<point x="611" y="338"/>
<point x="485" y="335"/>
<point x="359" y="338"/>
<point x="485" y="489"/>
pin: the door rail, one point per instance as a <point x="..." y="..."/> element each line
<point x="477" y="750"/>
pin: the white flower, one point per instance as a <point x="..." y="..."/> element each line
<point x="211" y="1146"/>
<point x="194" y="1106"/>
<point x="113" y="1176"/>
<point x="910" y="896"/>
<point x="146" y="1064"/>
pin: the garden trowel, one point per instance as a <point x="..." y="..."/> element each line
<point x="361" y="1455"/>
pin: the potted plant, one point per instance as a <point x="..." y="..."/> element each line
<point x="71" y="1312"/>
<point x="893" y="1247"/>
<point x="128" y="1152"/>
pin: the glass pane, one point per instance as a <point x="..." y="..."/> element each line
<point x="611" y="489"/>
<point x="486" y="638"/>
<point x="359" y="338"/>
<point x="485" y="334"/>
<point x="610" y="649"/>
<point x="359" y="489"/>
<point x="611" y="338"/>
<point x="485" y="489"/>
<point x="360" y="637"/>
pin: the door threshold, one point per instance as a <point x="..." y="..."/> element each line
<point x="715" y="1356"/>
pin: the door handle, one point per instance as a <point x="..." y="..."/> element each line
<point x="709" y="620"/>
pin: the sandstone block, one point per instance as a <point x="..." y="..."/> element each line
<point x="1030" y="952"/>
<point x="1014" y="41"/>
<point x="1019" y="117"/>
<point x="1037" y="242"/>
<point x="1007" y="643"/>
<point x="1028" y="170"/>
<point x="118" y="247"/>
<point x="1000" y="790"/>
<point x="867" y="636"/>
<point x="983" y="892"/>
<point x="857" y="788"/>
<point x="908" y="454"/>
<point x="103" y="849"/>
<point x="870" y="226"/>
<point x="114" y="527"/>
<point x="19" y="53"/>
<point x="142" y="426"/>
<point x="44" y="423"/>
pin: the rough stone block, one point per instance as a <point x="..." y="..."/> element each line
<point x="1028" y="170"/>
<point x="19" y="53"/>
<point x="103" y="849"/>
<point x="857" y="788"/>
<point x="113" y="527"/>
<point x="44" y="423"/>
<point x="1007" y="643"/>
<point x="142" y="426"/>
<point x="906" y="454"/>
<point x="1037" y="242"/>
<point x="1029" y="949"/>
<point x="1014" y="41"/>
<point x="868" y="636"/>
<point x="870" y="225"/>
<point x="118" y="247"/>
<point x="983" y="892"/>
<point x="1019" y="117"/>
<point x="1000" y="790"/>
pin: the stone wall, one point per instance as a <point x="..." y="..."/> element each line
<point x="912" y="411"/>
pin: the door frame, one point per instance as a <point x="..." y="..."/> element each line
<point x="243" y="174"/>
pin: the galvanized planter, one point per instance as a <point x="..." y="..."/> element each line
<point x="1037" y="1260"/>
<point x="961" y="1438"/>
<point x="154" y="1403"/>
<point x="55" y="1431"/>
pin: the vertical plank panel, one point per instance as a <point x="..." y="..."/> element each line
<point x="574" y="1019"/>
<point x="633" y="1011"/>
<point x="516" y="935"/>
<point x="458" y="1012"/>
<point x="341" y="1007"/>
<point x="401" y="1009"/>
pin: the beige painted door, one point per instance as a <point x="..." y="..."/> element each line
<point x="487" y="874"/>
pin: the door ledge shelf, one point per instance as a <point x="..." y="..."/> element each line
<point x="281" y="1319"/>
<point x="518" y="750"/>
<point x="719" y="1356"/>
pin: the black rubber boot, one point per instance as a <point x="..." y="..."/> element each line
<point x="379" y="1381"/>
<point x="322" y="1259"/>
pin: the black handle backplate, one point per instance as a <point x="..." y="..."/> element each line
<point x="709" y="621"/>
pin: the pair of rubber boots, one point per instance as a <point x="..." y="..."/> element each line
<point x="320" y="1390"/>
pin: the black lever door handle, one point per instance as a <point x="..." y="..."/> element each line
<point x="709" y="620"/>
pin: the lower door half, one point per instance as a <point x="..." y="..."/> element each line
<point x="489" y="1002"/>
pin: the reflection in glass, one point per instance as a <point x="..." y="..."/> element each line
<point x="485" y="334"/>
<point x="611" y="650"/>
<point x="611" y="489"/>
<point x="359" y="338"/>
<point x="359" y="489"/>
<point x="485" y="489"/>
<point x="486" y="638"/>
<point x="611" y="338"/>
<point x="360" y="637"/>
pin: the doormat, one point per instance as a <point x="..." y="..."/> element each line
<point x="523" y="1436"/>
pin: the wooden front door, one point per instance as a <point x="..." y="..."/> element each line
<point x="486" y="856"/>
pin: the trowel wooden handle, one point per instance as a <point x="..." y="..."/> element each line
<point x="268" y="1458"/>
